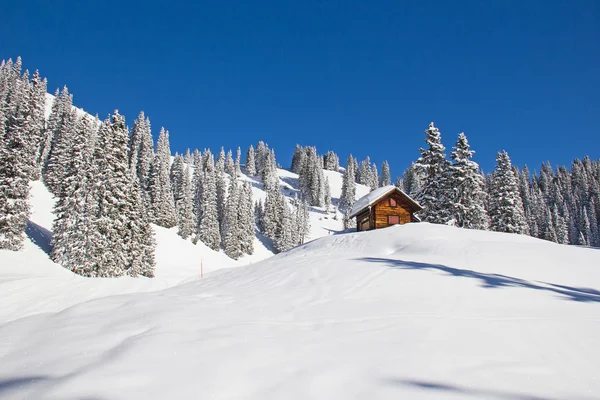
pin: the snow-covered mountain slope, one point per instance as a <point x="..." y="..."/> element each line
<point x="414" y="311"/>
<point x="177" y="260"/>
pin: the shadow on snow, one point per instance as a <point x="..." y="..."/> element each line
<point x="584" y="295"/>
<point x="40" y="236"/>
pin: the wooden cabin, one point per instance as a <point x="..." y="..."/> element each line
<point x="384" y="207"/>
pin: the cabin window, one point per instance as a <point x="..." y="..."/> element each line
<point x="393" y="219"/>
<point x="393" y="203"/>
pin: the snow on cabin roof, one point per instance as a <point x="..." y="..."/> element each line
<point x="376" y="195"/>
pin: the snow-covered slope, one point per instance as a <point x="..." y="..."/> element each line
<point x="414" y="311"/>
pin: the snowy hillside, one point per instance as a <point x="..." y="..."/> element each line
<point x="414" y="311"/>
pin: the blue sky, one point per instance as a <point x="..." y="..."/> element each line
<point x="364" y="77"/>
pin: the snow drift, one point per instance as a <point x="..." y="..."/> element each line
<point x="413" y="311"/>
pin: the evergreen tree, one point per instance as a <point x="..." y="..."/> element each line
<point x="412" y="180"/>
<point x="246" y="219"/>
<point x="144" y="160"/>
<point x="297" y="159"/>
<point x="348" y="195"/>
<point x="122" y="237"/>
<point x="220" y="163"/>
<point x="186" y="206"/>
<point x="331" y="161"/>
<point x="73" y="226"/>
<point x="36" y="123"/>
<point x="435" y="190"/>
<point x="467" y="188"/>
<point x="231" y="232"/>
<point x="385" y="174"/>
<point x="283" y="239"/>
<point x="14" y="178"/>
<point x="505" y="205"/>
<point x="250" y="162"/>
<point x="221" y="196"/>
<point x="229" y="164"/>
<point x="176" y="178"/>
<point x="327" y="192"/>
<point x="161" y="193"/>
<point x="60" y="125"/>
<point x="208" y="225"/>
<point x="237" y="166"/>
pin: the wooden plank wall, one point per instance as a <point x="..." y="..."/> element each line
<point x="383" y="209"/>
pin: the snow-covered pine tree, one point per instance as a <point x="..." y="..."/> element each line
<point x="185" y="207"/>
<point x="220" y="163"/>
<point x="467" y="189"/>
<point x="135" y="140"/>
<point x="123" y="243"/>
<point x="261" y="154"/>
<point x="348" y="195"/>
<point x="271" y="214"/>
<point x="208" y="226"/>
<point x="231" y="231"/>
<point x="246" y="219"/>
<point x="14" y="175"/>
<point x="283" y="239"/>
<point x="36" y="123"/>
<point x="197" y="179"/>
<point x="374" y="177"/>
<point x="331" y="161"/>
<point x="176" y="177"/>
<point x="221" y="197"/>
<point x="434" y="192"/>
<point x="161" y="193"/>
<point x="230" y="164"/>
<point x="72" y="226"/>
<point x="297" y="159"/>
<point x="386" y="178"/>
<point x="188" y="159"/>
<point x="60" y="124"/>
<point x="145" y="159"/>
<point x="505" y="205"/>
<point x="269" y="175"/>
<point x="250" y="162"/>
<point x="365" y="172"/>
<point x="412" y="180"/>
<point x="237" y="164"/>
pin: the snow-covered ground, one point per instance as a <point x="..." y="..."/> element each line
<point x="414" y="311"/>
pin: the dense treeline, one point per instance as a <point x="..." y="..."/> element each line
<point x="110" y="184"/>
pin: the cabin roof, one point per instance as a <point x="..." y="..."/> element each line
<point x="376" y="195"/>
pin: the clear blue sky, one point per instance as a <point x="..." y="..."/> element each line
<point x="364" y="77"/>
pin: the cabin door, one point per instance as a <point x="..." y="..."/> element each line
<point x="364" y="225"/>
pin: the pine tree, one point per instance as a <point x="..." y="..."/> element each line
<point x="467" y="188"/>
<point x="297" y="159"/>
<point x="229" y="164"/>
<point x="231" y="229"/>
<point x="385" y="174"/>
<point x="208" y="225"/>
<point x="59" y="128"/>
<point x="145" y="159"/>
<point x="176" y="178"/>
<point x="221" y="196"/>
<point x="434" y="192"/>
<point x="246" y="219"/>
<point x="348" y="195"/>
<point x="250" y="162"/>
<point x="135" y="140"/>
<point x="161" y="193"/>
<point x="186" y="206"/>
<point x="505" y="205"/>
<point x="283" y="239"/>
<point x="36" y="123"/>
<point x="327" y="195"/>
<point x="220" y="163"/>
<point x="14" y="179"/>
<point x="73" y="224"/>
<point x="331" y="161"/>
<point x="123" y="239"/>
<point x="237" y="165"/>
